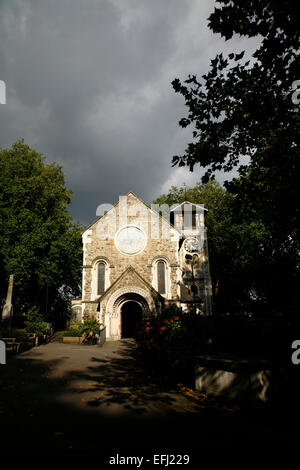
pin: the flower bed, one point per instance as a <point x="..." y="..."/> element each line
<point x="161" y="344"/>
<point x="170" y="343"/>
<point x="71" y="334"/>
<point x="87" y="331"/>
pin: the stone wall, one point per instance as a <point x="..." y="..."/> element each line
<point x="233" y="378"/>
<point x="137" y="273"/>
<point x="99" y="243"/>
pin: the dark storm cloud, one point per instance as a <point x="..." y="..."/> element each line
<point x="88" y="85"/>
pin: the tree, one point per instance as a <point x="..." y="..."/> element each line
<point x="39" y="243"/>
<point x="245" y="108"/>
<point x="233" y="245"/>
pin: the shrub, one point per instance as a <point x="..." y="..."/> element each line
<point x="76" y="326"/>
<point x="162" y="343"/>
<point x="19" y="334"/>
<point x="34" y="322"/>
<point x="90" y="329"/>
<point x="170" y="344"/>
<point x="75" y="329"/>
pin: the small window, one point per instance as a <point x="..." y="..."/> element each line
<point x="194" y="219"/>
<point x="161" y="277"/>
<point x="189" y="216"/>
<point x="101" y="278"/>
<point x="76" y="312"/>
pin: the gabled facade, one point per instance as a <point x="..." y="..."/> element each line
<point x="134" y="263"/>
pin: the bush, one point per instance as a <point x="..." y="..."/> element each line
<point x="161" y="342"/>
<point x="76" y="326"/>
<point x="170" y="343"/>
<point x="90" y="329"/>
<point x="19" y="334"/>
<point x="34" y="322"/>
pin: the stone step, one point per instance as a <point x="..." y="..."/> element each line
<point x="57" y="337"/>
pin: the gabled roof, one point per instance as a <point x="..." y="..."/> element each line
<point x="201" y="206"/>
<point x="115" y="205"/>
<point x="124" y="274"/>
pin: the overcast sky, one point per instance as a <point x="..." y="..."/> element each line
<point x="88" y="84"/>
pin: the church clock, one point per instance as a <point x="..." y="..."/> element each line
<point x="131" y="240"/>
<point x="191" y="244"/>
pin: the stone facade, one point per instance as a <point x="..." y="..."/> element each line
<point x="143" y="265"/>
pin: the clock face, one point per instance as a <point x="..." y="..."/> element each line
<point x="131" y="240"/>
<point x="191" y="244"/>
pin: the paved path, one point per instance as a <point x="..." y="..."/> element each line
<point x="62" y="396"/>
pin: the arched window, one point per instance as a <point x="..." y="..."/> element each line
<point x="100" y="278"/>
<point x="76" y="312"/>
<point x="161" y="277"/>
<point x="194" y="217"/>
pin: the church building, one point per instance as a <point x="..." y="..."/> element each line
<point x="139" y="259"/>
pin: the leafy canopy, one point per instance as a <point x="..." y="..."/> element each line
<point x="39" y="244"/>
<point x="233" y="245"/>
<point x="247" y="109"/>
<point x="244" y="108"/>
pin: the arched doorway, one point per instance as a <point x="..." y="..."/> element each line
<point x="114" y="306"/>
<point x="131" y="315"/>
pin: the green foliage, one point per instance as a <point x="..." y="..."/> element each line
<point x="72" y="333"/>
<point x="233" y="244"/>
<point x="89" y="329"/>
<point x="7" y="332"/>
<point x="75" y="328"/>
<point x="34" y="322"/>
<point x="19" y="334"/>
<point x="159" y="339"/>
<point x="242" y="110"/>
<point x="39" y="244"/>
<point x="238" y="108"/>
<point x="170" y="345"/>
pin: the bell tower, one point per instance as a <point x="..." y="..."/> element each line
<point x="195" y="284"/>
